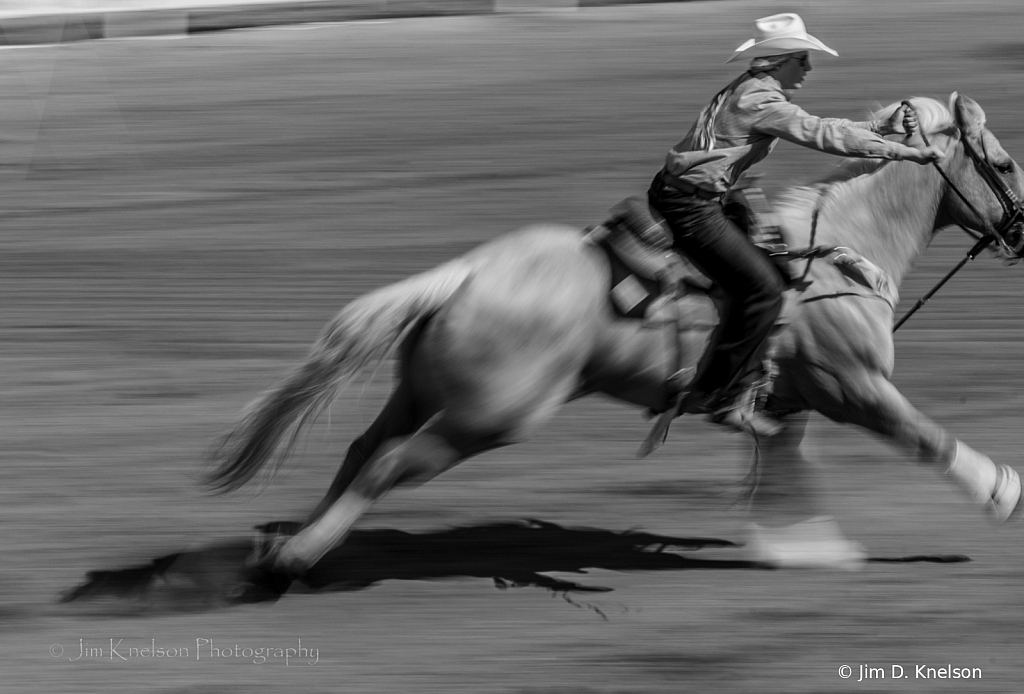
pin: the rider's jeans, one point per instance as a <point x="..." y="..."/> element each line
<point x="748" y="279"/>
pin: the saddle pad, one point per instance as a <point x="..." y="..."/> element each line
<point x="629" y="294"/>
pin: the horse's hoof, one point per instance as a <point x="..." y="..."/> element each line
<point x="271" y="553"/>
<point x="816" y="543"/>
<point x="260" y="585"/>
<point x="265" y="549"/>
<point x="287" y="563"/>
<point x="1006" y="498"/>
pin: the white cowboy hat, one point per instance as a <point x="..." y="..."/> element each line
<point x="778" y="34"/>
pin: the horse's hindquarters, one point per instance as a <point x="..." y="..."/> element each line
<point x="511" y="346"/>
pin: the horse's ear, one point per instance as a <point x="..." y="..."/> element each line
<point x="970" y="118"/>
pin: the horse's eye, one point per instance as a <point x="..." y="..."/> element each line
<point x="1005" y="169"/>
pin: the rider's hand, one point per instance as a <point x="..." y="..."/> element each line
<point x="910" y="124"/>
<point x="903" y="120"/>
<point x="924" y="155"/>
<point x="891" y="125"/>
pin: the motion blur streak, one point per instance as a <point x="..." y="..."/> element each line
<point x="180" y="218"/>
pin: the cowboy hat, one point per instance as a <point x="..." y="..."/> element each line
<point x="778" y="34"/>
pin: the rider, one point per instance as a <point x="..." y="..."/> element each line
<point x="737" y="129"/>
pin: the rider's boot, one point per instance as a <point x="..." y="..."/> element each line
<point x="742" y="413"/>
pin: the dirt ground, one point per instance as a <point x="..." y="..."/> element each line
<point x="180" y="217"/>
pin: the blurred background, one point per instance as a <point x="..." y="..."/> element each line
<point x="182" y="214"/>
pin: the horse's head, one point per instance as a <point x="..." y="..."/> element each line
<point x="985" y="183"/>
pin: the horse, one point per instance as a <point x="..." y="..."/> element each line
<point x="489" y="345"/>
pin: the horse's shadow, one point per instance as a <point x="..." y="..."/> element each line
<point x="512" y="554"/>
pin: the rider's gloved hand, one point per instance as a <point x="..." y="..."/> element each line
<point x="910" y="124"/>
<point x="903" y="120"/>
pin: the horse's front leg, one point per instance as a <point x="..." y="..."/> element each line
<point x="870" y="400"/>
<point x="788" y="528"/>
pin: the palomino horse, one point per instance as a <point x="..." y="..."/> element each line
<point x="493" y="342"/>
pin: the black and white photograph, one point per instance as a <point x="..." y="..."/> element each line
<point x="511" y="346"/>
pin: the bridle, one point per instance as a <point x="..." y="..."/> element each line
<point x="1010" y="230"/>
<point x="1008" y="234"/>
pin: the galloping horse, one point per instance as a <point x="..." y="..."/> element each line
<point x="492" y="343"/>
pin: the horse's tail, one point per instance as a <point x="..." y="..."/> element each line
<point x="364" y="332"/>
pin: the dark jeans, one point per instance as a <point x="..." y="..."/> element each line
<point x="747" y="278"/>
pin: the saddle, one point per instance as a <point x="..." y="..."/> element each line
<point x="648" y="276"/>
<point x="645" y="267"/>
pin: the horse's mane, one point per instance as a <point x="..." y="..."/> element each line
<point x="933" y="116"/>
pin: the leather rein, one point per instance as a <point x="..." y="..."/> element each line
<point x="1008" y="234"/>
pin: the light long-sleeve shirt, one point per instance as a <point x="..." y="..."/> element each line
<point x="748" y="126"/>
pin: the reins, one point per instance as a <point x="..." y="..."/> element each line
<point x="1013" y="214"/>
<point x="983" y="243"/>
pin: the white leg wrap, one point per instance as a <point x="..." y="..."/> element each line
<point x="1006" y="497"/>
<point x="813" y="543"/>
<point x="995" y="486"/>
<point x="974" y="472"/>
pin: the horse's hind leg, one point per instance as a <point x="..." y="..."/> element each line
<point x="447" y="439"/>
<point x="400" y="417"/>
<point x="414" y="460"/>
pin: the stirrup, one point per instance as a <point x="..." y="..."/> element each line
<point x="746" y="413"/>
<point x="659" y="432"/>
<point x="748" y="421"/>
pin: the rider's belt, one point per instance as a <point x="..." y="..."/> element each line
<point x="692" y="190"/>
